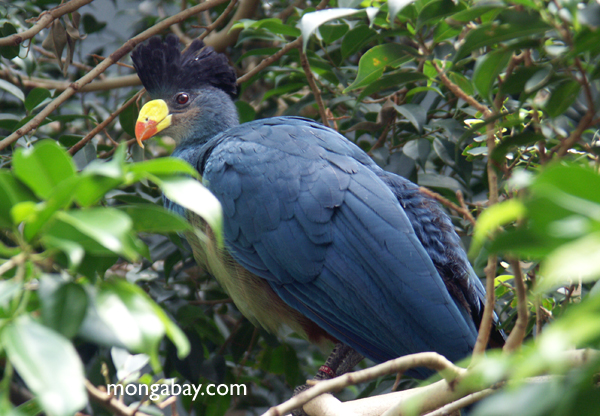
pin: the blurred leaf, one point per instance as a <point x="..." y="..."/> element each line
<point x="435" y="10"/>
<point x="192" y="195"/>
<point x="476" y="10"/>
<point x="155" y="219"/>
<point x="246" y="111"/>
<point x="100" y="230"/>
<point x="12" y="89"/>
<point x="63" y="305"/>
<point x="91" y="25"/>
<point x="35" y="97"/>
<point x="492" y="33"/>
<point x="539" y="79"/>
<point x="49" y="365"/>
<point x="571" y="263"/>
<point x="331" y="33"/>
<point x="8" y="52"/>
<point x="395" y="7"/>
<point x="43" y="166"/>
<point x="375" y="60"/>
<point x="460" y="80"/>
<point x="8" y="290"/>
<point x="492" y="218"/>
<point x="165" y="166"/>
<point x="561" y="98"/>
<point x="12" y="192"/>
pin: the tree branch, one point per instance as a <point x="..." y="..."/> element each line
<point x="432" y="360"/>
<point x="227" y="37"/>
<point x="81" y="143"/>
<point x="114" y="57"/>
<point x="313" y="86"/>
<point x="43" y="20"/>
<point x="517" y="335"/>
<point x="444" y="201"/>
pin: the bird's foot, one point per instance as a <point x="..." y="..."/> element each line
<point x="341" y="360"/>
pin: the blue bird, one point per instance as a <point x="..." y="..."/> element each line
<point x="318" y="238"/>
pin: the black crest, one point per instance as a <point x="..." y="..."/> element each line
<point x="163" y="68"/>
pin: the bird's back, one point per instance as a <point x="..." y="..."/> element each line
<point x="357" y="250"/>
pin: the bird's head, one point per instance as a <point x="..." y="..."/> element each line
<point x="192" y="91"/>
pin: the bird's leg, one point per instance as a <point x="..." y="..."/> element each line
<point x="341" y="360"/>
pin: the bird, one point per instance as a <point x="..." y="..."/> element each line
<point x="318" y="238"/>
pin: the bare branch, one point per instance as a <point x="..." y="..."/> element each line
<point x="220" y="19"/>
<point x="432" y="360"/>
<point x="114" y="57"/>
<point x="313" y="86"/>
<point x="43" y="21"/>
<point x="456" y="90"/>
<point x="81" y="143"/>
<point x="227" y="37"/>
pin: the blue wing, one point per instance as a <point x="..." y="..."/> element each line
<point x="309" y="211"/>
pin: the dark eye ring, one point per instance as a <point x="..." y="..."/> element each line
<point x="182" y="98"/>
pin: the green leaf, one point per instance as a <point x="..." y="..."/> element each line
<point x="375" y="60"/>
<point x="435" y="10"/>
<point x="355" y="39"/>
<point x="165" y="166"/>
<point x="561" y="98"/>
<point x="12" y="89"/>
<point x="8" y="290"/>
<point x="492" y="218"/>
<point x="492" y="33"/>
<point x="331" y="33"/>
<point x="90" y="24"/>
<point x="98" y="230"/>
<point x="539" y="79"/>
<point x="43" y="166"/>
<point x="246" y="111"/>
<point x="465" y="84"/>
<point x="64" y="305"/>
<point x="522" y="139"/>
<point x="192" y="195"/>
<point x="571" y="263"/>
<point x="12" y="192"/>
<point x="487" y="69"/>
<point x="136" y="320"/>
<point x="413" y="113"/>
<point x="128" y="118"/>
<point x="311" y="21"/>
<point x="395" y="7"/>
<point x="36" y="97"/>
<point x="391" y="80"/>
<point x="48" y="364"/>
<point x="155" y="219"/>
<point x="74" y="252"/>
<point x="477" y="10"/>
<point x="10" y="51"/>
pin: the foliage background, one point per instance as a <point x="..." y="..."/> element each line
<point x="490" y="104"/>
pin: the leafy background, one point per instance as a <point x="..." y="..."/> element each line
<point x="492" y="105"/>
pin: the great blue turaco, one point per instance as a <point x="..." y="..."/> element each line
<point x="318" y="238"/>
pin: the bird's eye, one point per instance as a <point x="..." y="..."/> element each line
<point x="182" y="98"/>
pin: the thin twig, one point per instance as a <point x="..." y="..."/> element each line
<point x="114" y="57"/>
<point x="456" y="90"/>
<point x="109" y="402"/>
<point x="81" y="143"/>
<point x="44" y="19"/>
<point x="313" y="86"/>
<point x="517" y="335"/>
<point x="466" y="211"/>
<point x="219" y="20"/>
<point x="444" y="201"/>
<point x="450" y="408"/>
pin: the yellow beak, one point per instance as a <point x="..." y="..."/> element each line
<point x="154" y="117"/>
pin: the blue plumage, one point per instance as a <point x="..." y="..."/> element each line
<point x="318" y="237"/>
<point x="334" y="235"/>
